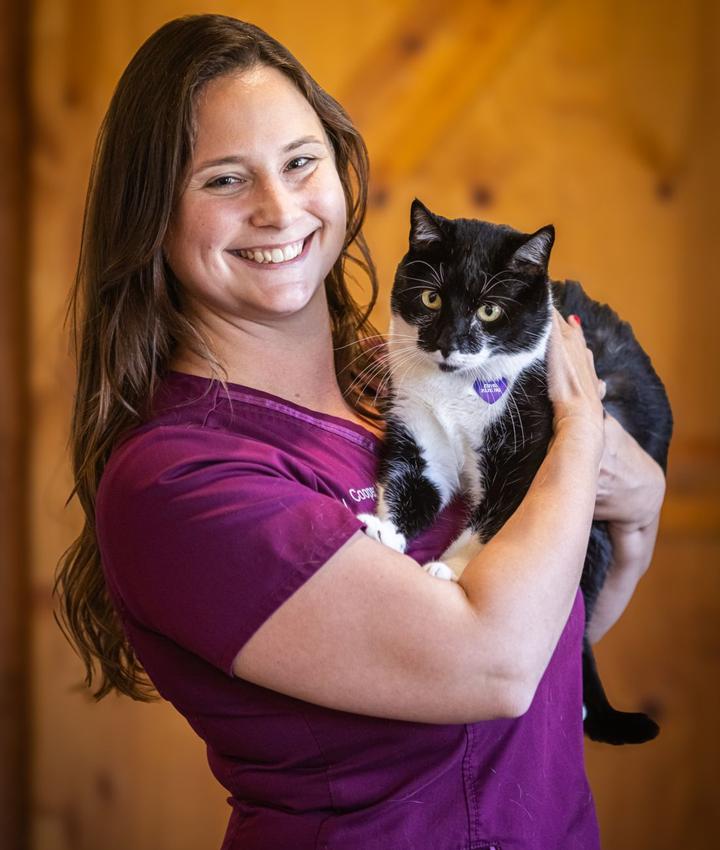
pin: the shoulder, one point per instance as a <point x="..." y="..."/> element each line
<point x="177" y="471"/>
<point x="164" y="453"/>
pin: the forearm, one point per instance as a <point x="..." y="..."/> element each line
<point x="632" y="553"/>
<point x="523" y="583"/>
<point x="630" y="494"/>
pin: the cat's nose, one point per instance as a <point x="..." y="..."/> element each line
<point x="446" y="343"/>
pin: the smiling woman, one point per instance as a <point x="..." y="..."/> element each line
<point x="348" y="699"/>
<point x="262" y="218"/>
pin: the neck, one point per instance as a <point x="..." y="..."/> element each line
<point x="290" y="357"/>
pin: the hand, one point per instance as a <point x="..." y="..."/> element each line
<point x="631" y="485"/>
<point x="573" y="386"/>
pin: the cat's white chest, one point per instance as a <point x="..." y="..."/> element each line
<point x="446" y="416"/>
<point x="448" y="420"/>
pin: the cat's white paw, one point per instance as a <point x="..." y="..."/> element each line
<point x="384" y="531"/>
<point x="440" y="570"/>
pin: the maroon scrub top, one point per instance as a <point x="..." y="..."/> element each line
<point x="209" y="517"/>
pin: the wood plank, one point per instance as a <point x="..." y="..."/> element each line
<point x="14" y="562"/>
<point x="662" y="657"/>
<point x="409" y="90"/>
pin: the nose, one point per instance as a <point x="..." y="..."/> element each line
<point x="446" y="342"/>
<point x="274" y="204"/>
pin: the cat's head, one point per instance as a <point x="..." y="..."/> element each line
<point x="471" y="290"/>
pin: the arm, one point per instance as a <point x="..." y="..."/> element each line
<point x="631" y="488"/>
<point x="371" y="633"/>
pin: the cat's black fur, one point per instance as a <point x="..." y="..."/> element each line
<point x="468" y="263"/>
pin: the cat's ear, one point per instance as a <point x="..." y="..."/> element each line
<point x="424" y="226"/>
<point x="536" y="249"/>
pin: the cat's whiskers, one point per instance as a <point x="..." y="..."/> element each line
<point x="401" y="356"/>
<point x="399" y="360"/>
<point x="379" y="361"/>
<point x="488" y="288"/>
<point x="487" y="281"/>
<point x="370" y="372"/>
<point x="432" y="269"/>
<point x="379" y="346"/>
<point x="426" y="284"/>
<point x="413" y="361"/>
<point x="374" y="359"/>
<point x="365" y="353"/>
<point x="505" y="299"/>
<point x="376" y="369"/>
<point x="521" y="388"/>
<point x="361" y="341"/>
<point x="520" y="422"/>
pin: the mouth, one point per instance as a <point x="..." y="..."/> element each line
<point x="276" y="256"/>
<point x="446" y="367"/>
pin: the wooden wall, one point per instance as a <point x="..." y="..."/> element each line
<point x="598" y="115"/>
<point x="14" y="584"/>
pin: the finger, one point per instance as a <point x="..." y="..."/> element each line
<point x="602" y="389"/>
<point x="575" y="322"/>
<point x="572" y="323"/>
<point x="562" y="328"/>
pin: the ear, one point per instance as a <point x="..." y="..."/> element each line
<point x="424" y="226"/>
<point x="536" y="250"/>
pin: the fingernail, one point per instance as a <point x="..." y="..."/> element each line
<point x="577" y="319"/>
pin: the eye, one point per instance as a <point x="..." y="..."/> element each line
<point x="489" y="312"/>
<point x="431" y="299"/>
<point x="225" y="181"/>
<point x="303" y="160"/>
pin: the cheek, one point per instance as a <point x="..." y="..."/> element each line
<point x="194" y="235"/>
<point x="330" y="200"/>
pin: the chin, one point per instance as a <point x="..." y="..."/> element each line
<point x="287" y="304"/>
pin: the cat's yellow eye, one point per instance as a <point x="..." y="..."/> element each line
<point x="431" y="299"/>
<point x="489" y="312"/>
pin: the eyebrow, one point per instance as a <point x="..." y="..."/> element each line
<point x="237" y="160"/>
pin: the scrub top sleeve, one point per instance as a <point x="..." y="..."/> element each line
<point x="203" y="538"/>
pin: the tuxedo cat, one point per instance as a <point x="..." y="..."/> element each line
<point x="467" y="407"/>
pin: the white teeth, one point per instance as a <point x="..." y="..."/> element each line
<point x="274" y="255"/>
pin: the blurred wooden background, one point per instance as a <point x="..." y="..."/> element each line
<point x="601" y="116"/>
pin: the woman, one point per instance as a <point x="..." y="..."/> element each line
<point x="348" y="699"/>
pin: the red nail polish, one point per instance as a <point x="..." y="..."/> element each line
<point x="577" y="318"/>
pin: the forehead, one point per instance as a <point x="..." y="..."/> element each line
<point x="254" y="110"/>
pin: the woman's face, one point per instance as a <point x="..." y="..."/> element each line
<point x="263" y="217"/>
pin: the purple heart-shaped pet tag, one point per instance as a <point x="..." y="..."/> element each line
<point x="490" y="391"/>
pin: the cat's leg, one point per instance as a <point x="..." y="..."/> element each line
<point x="381" y="527"/>
<point x="602" y="722"/>
<point x="412" y="488"/>
<point x="456" y="557"/>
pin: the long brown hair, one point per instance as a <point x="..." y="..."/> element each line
<point x="124" y="309"/>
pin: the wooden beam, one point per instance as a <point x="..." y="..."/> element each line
<point x="14" y="617"/>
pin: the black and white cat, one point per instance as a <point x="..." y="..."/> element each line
<point x="467" y="409"/>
